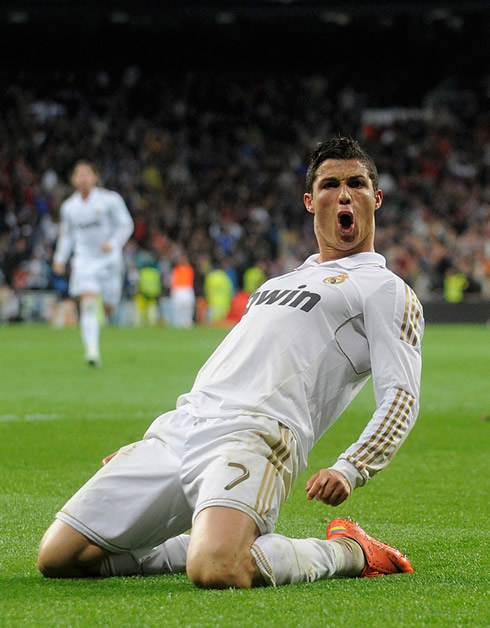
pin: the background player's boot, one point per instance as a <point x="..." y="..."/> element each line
<point x="92" y="356"/>
<point x="381" y="559"/>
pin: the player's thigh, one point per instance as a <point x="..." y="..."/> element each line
<point x="134" y="501"/>
<point x="83" y="280"/>
<point x="251" y="470"/>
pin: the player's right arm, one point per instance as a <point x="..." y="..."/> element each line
<point x="64" y="245"/>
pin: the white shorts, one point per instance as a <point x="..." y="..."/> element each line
<point x="154" y="488"/>
<point x="102" y="279"/>
<point x="183" y="302"/>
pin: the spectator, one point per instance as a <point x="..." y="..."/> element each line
<point x="230" y="184"/>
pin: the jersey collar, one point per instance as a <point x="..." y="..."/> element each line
<point x="351" y="261"/>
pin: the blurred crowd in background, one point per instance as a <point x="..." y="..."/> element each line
<point x="212" y="169"/>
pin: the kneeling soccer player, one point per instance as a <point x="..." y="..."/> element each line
<point x="224" y="461"/>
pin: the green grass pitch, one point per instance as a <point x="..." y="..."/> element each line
<point x="58" y="418"/>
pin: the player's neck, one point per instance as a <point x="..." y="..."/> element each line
<point x="85" y="193"/>
<point x="330" y="254"/>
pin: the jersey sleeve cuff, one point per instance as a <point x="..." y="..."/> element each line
<point x="351" y="473"/>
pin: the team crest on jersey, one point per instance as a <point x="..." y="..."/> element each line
<point x="337" y="279"/>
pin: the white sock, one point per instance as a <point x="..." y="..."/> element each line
<point x="169" y="557"/>
<point x="90" y="326"/>
<point x="350" y="557"/>
<point x="282" y="560"/>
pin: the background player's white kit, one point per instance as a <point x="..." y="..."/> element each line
<point x="85" y="225"/>
<point x="95" y="226"/>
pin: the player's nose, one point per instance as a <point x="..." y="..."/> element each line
<point x="344" y="195"/>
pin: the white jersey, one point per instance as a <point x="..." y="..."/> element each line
<point x="307" y="343"/>
<point x="86" y="224"/>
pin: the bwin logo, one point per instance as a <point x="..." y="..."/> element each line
<point x="88" y="225"/>
<point x="293" y="298"/>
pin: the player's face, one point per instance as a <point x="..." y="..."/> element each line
<point x="84" y="178"/>
<point x="343" y="202"/>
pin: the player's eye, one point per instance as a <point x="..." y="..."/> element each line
<point x="356" y="183"/>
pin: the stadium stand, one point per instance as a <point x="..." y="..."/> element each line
<point x="212" y="163"/>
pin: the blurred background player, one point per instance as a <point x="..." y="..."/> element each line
<point x="254" y="277"/>
<point x="95" y="225"/>
<point x="182" y="295"/>
<point x="149" y="289"/>
<point x="218" y="290"/>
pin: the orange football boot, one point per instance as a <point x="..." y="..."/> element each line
<point x="381" y="559"/>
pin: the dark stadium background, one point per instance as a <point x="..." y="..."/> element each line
<point x="393" y="52"/>
<point x="416" y="42"/>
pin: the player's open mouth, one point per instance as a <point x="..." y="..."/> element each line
<point x="345" y="220"/>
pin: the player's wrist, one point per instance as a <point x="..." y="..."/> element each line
<point x="350" y="472"/>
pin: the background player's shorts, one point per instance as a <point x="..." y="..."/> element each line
<point x="153" y="489"/>
<point x="98" y="278"/>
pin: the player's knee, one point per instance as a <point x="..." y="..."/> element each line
<point x="50" y="569"/>
<point x="218" y="570"/>
<point x="88" y="304"/>
<point x="218" y="576"/>
<point x="65" y="553"/>
<point x="53" y="561"/>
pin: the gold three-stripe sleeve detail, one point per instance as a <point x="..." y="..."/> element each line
<point x="385" y="437"/>
<point x="413" y="310"/>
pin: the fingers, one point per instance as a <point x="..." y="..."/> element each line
<point x="329" y="487"/>
<point x="109" y="458"/>
<point x="313" y="486"/>
<point x="336" y="496"/>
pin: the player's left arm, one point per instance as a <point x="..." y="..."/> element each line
<point x="394" y="326"/>
<point x="328" y="486"/>
<point x="122" y="222"/>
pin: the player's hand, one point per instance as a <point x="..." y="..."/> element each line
<point x="106" y="247"/>
<point x="328" y="486"/>
<point x="109" y="458"/>
<point x="59" y="268"/>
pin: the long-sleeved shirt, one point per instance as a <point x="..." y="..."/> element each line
<point x="307" y="343"/>
<point x="86" y="224"/>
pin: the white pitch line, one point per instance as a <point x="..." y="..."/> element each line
<point x="38" y="416"/>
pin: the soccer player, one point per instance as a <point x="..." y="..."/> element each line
<point x="224" y="461"/>
<point x="95" y="226"/>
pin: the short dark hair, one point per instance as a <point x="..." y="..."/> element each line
<point x="339" y="148"/>
<point x="86" y="162"/>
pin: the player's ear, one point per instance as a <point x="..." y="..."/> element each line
<point x="379" y="199"/>
<point x="308" y="201"/>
